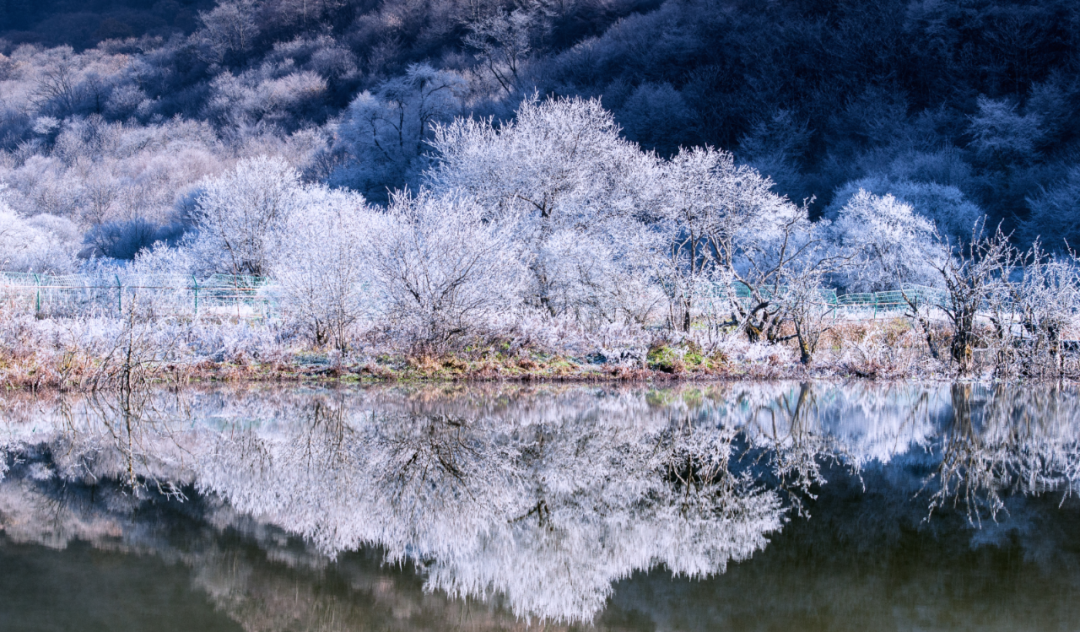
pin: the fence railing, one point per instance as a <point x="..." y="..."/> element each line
<point x="891" y="300"/>
<point x="874" y="302"/>
<point x="255" y="297"/>
<point x="109" y="294"/>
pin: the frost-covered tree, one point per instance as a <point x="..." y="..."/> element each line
<point x="945" y="206"/>
<point x="384" y="134"/>
<point x="322" y="263"/>
<point x="729" y="232"/>
<point x="1032" y="301"/>
<point x="502" y="44"/>
<point x="574" y="191"/>
<point x="105" y="172"/>
<point x="1055" y="213"/>
<point x="443" y="270"/>
<point x="706" y="201"/>
<point x="1048" y="305"/>
<point x="971" y="273"/>
<point x="241" y="215"/>
<point x="229" y="28"/>
<point x="284" y="96"/>
<point x="43" y="243"/>
<point x="898" y="245"/>
<point x="782" y="265"/>
<point x="1001" y="136"/>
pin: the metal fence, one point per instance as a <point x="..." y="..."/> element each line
<point x="872" y="303"/>
<point x="891" y="300"/>
<point x="111" y="294"/>
<point x="249" y="297"/>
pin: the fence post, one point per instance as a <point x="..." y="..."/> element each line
<point x="196" y="286"/>
<point x="236" y="294"/>
<point x="37" y="301"/>
<point x="119" y="295"/>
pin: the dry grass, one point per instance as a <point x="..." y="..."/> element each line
<point x="69" y="355"/>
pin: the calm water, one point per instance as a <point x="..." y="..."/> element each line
<point x="737" y="507"/>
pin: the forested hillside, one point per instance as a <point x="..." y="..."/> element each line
<point x="112" y="112"/>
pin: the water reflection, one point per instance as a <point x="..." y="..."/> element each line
<point x="536" y="500"/>
<point x="1005" y="441"/>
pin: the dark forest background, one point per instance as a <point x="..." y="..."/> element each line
<point x="112" y="110"/>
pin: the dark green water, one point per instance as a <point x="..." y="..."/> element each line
<point x="730" y="507"/>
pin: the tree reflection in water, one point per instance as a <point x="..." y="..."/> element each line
<point x="1003" y="441"/>
<point x="536" y="498"/>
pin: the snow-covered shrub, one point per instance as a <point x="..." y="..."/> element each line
<point x="44" y="243"/>
<point x="323" y="263"/>
<point x="241" y="214"/>
<point x="443" y="270"/>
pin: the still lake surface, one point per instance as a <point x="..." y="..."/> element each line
<point x="772" y="506"/>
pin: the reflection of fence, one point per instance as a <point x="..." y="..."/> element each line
<point x="110" y="294"/>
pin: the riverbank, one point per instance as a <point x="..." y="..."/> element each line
<point x="83" y="355"/>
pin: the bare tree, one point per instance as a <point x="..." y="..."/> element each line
<point x="230" y="27"/>
<point x="322" y="263"/>
<point x="1034" y="301"/>
<point x="502" y="42"/>
<point x="443" y="270"/>
<point x="241" y="214"/>
<point x="969" y="274"/>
